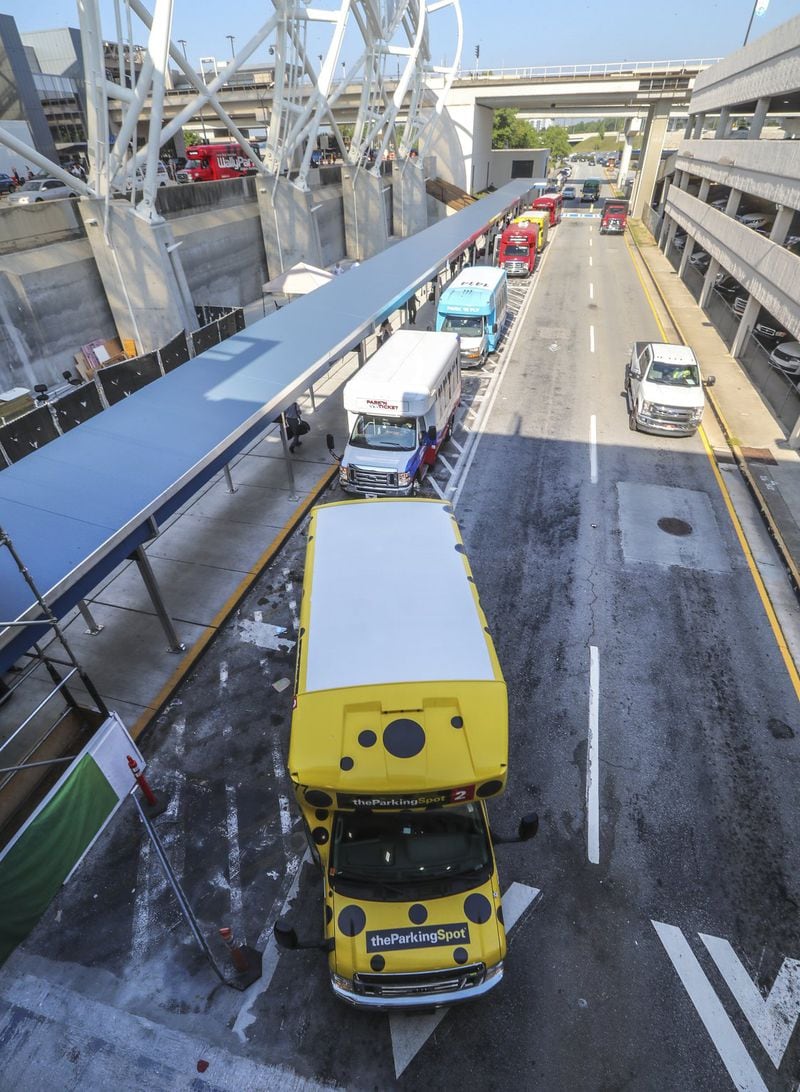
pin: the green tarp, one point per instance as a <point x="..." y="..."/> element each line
<point x="44" y="855"/>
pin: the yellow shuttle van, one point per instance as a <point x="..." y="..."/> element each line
<point x="399" y="736"/>
<point x="539" y="217"/>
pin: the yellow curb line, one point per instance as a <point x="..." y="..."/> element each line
<point x="197" y="649"/>
<point x="763" y="594"/>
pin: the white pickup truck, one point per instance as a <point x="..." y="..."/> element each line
<point x="664" y="389"/>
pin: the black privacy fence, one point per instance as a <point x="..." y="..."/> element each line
<point x="57" y="415"/>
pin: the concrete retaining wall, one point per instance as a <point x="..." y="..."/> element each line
<point x="26" y="226"/>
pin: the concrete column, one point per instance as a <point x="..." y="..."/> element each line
<point x="657" y="121"/>
<point x="734" y="197"/>
<point x="705" y="186"/>
<point x="140" y="267"/>
<point x="746" y="324"/>
<point x="699" y="122"/>
<point x="688" y="129"/>
<point x="783" y="221"/>
<point x="625" y="159"/>
<point x="365" y="229"/>
<point x="667" y="233"/>
<point x="288" y="225"/>
<point x="759" y="117"/>
<point x="687" y="253"/>
<point x="409" y="199"/>
<point x="724" y="123"/>
<point x="708" y="282"/>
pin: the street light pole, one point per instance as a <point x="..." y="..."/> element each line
<point x="231" y="38"/>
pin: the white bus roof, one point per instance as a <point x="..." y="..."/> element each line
<point x="477" y="276"/>
<point x="402" y="376"/>
<point x="390" y="598"/>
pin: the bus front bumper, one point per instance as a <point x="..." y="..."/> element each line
<point x="427" y="991"/>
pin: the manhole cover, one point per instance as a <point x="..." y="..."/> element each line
<point x="675" y="526"/>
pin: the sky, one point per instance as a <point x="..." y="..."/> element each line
<point x="510" y="33"/>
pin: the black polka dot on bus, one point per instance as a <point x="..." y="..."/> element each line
<point x="367" y="738"/>
<point x="460" y="548"/>
<point x="377" y="963"/>
<point x="477" y="908"/>
<point x="417" y="914"/>
<point x="352" y="920"/>
<point x="403" y="738"/>
<point x="318" y="799"/>
<point x="321" y="814"/>
<point x="457" y="722"/>
<point x="461" y="955"/>
<point x="328" y="915"/>
<point x="346" y="763"/>
<point x="489" y="788"/>
<point x="448" y="508"/>
<point x="500" y="915"/>
<point x="320" y="835"/>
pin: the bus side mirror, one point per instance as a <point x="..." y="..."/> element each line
<point x="431" y="434"/>
<point x="286" y="937"/>
<point x="528" y="826"/>
<point x="329" y="442"/>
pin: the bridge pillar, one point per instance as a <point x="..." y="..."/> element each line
<point x="654" y="133"/>
<point x="288" y="225"/>
<point x="409" y="199"/>
<point x="142" y="274"/>
<point x="366" y="230"/>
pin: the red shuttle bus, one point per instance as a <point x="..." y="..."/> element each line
<point x="210" y="162"/>
<point x="552" y="203"/>
<point x="517" y="254"/>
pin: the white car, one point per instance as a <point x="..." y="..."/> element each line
<point x="569" y="193"/>
<point x="786" y="358"/>
<point x="664" y="389"/>
<point x="757" y="219"/>
<point x="40" y="189"/>
<point x="162" y="177"/>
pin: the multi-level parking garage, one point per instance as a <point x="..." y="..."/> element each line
<point x="731" y="215"/>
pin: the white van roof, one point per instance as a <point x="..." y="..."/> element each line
<point x="402" y="376"/>
<point x="391" y="598"/>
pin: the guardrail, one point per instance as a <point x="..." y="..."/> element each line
<point x="573" y="71"/>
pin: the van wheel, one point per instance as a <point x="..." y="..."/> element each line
<point x="632" y="425"/>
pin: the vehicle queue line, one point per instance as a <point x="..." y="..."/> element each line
<point x="94" y="496"/>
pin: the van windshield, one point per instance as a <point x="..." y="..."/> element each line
<point x="465" y="325"/>
<point x="409" y="854"/>
<point x="515" y="251"/>
<point x="396" y="433"/>
<point x="674" y="375"/>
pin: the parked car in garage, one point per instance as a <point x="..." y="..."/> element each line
<point x="768" y="331"/>
<point x="786" y="358"/>
<point x="727" y="285"/>
<point x="40" y="189"/>
<point x="680" y="239"/>
<point x="757" y="220"/>
<point x="700" y="260"/>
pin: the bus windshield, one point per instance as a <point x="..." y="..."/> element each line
<point x="406" y="855"/>
<point x="397" y="433"/>
<point x="516" y="251"/>
<point x="465" y="325"/>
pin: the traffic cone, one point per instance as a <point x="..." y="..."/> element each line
<point x="238" y="956"/>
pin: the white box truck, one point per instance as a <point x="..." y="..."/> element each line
<point x="400" y="410"/>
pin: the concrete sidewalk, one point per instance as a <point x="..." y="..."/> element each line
<point x="755" y="438"/>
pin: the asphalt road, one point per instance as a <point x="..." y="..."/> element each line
<point x="653" y="727"/>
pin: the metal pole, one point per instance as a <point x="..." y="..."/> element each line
<point x="183" y="902"/>
<point x="148" y="576"/>
<point x="158" y="46"/>
<point x="88" y="617"/>
<point x="288" y="457"/>
<point x="229" y="479"/>
<point x="311" y="396"/>
<point x="749" y="25"/>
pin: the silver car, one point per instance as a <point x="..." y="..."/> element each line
<point x="40" y="189"/>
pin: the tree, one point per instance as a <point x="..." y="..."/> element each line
<point x="510" y="131"/>
<point x="601" y="130"/>
<point x="190" y="137"/>
<point x="556" y="139"/>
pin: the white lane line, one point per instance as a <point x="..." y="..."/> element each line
<point x="591" y="339"/>
<point x="283" y="802"/>
<point x="773" y="1017"/>
<point x="436" y="486"/>
<point x="716" y="1021"/>
<point x="445" y="464"/>
<point x="590" y="259"/>
<point x="593" y="449"/>
<point x="234" y="856"/>
<point x="223" y="675"/>
<point x="590" y="241"/>
<point x="474" y="438"/>
<point x="593" y="759"/>
<point x="591" y="291"/>
<point x="456" y="444"/>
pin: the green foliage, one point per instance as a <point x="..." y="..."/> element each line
<point x="509" y="131"/>
<point x="555" y="138"/>
<point x="190" y="138"/>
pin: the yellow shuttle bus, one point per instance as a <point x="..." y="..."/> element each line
<point x="399" y="736"/>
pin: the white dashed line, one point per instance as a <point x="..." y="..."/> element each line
<point x="591" y="339"/>
<point x="593" y="449"/>
<point x="591" y="291"/>
<point x="590" y="259"/>
<point x="592" y="759"/>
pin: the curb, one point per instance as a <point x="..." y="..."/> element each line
<point x="785" y="552"/>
